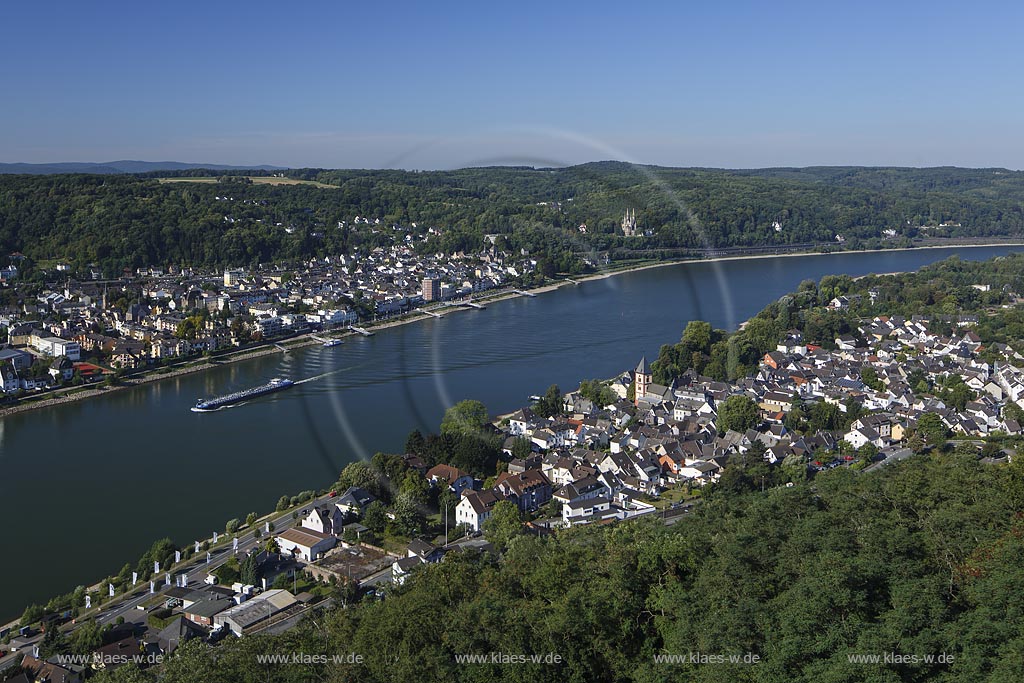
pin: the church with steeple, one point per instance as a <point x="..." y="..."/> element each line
<point x="641" y="380"/>
<point x="629" y="223"/>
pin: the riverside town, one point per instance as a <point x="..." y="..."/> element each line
<point x="833" y="375"/>
<point x="590" y="343"/>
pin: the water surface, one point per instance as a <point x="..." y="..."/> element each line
<point x="87" y="486"/>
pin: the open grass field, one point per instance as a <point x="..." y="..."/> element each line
<point x="256" y="180"/>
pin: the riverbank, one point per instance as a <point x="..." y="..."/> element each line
<point x="379" y="389"/>
<point x="611" y="272"/>
<point x="155" y="375"/>
<point x="965" y="245"/>
<point x="301" y="341"/>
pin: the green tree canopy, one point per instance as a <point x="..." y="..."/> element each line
<point x="503" y="525"/>
<point x="932" y="428"/>
<point x="465" y="417"/>
<point x="738" y="413"/>
<point x="363" y="475"/>
<point x="550" y="404"/>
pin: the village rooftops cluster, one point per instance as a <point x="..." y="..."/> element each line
<point x="329" y="542"/>
<point x="148" y="315"/>
<point x="601" y="461"/>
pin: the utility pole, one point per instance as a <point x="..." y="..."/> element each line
<point x="446" y="524"/>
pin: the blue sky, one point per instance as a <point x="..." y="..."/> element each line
<point x="445" y="84"/>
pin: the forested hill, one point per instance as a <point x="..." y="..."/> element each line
<point x="921" y="559"/>
<point x="124" y="166"/>
<point x="120" y="221"/>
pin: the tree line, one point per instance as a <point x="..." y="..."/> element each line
<point x="128" y="221"/>
<point x="922" y="557"/>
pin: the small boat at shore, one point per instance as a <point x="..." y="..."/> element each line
<point x="333" y="342"/>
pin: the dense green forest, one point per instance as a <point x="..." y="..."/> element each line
<point x="137" y="220"/>
<point x="921" y="558"/>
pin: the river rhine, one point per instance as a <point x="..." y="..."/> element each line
<point x="87" y="486"/>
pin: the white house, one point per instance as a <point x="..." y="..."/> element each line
<point x="9" y="378"/>
<point x="401" y="568"/>
<point x="580" y="509"/>
<point x="519" y="422"/>
<point x="587" y="488"/>
<point x="55" y="346"/>
<point x="840" y="302"/>
<point x="338" y="316"/>
<point x="474" y="508"/>
<point x="354" y="501"/>
<point x="859" y="437"/>
<point x="61" y="369"/>
<point x="457" y="480"/>
<point x="269" y="325"/>
<point x="305" y="544"/>
<point x="326" y="520"/>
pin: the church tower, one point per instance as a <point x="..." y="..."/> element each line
<point x="629" y="223"/>
<point x="642" y="380"/>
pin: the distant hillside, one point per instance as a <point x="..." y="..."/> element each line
<point x="560" y="216"/>
<point x="124" y="166"/>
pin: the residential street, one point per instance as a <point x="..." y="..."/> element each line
<point x="197" y="569"/>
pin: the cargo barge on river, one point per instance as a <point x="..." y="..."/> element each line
<point x="209" y="404"/>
